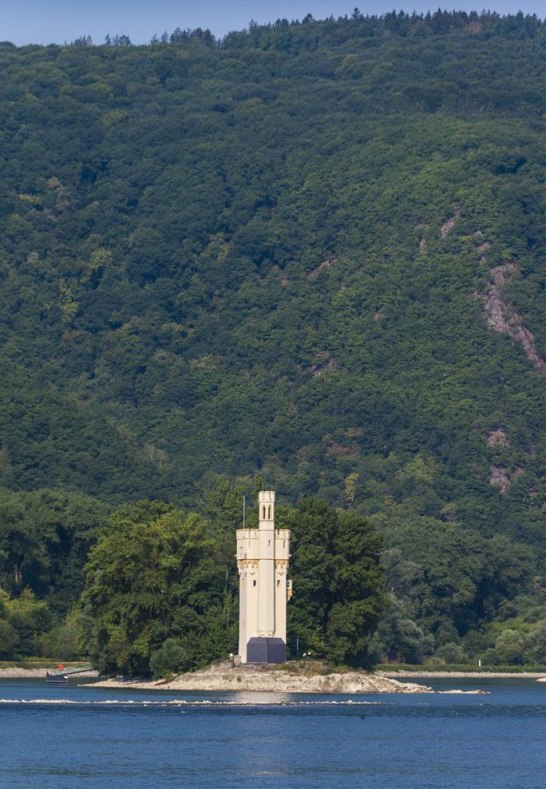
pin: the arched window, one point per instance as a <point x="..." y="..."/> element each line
<point x="269" y="512"/>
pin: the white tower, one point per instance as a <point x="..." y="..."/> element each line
<point x="262" y="561"/>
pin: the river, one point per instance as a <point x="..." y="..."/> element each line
<point x="89" y="737"/>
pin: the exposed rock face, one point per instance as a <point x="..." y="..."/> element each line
<point x="502" y="317"/>
<point x="324" y="265"/>
<point x="481" y="249"/>
<point x="499" y="478"/>
<point x="450" y="223"/>
<point x="502" y="478"/>
<point x="497" y="438"/>
<point x="325" y="362"/>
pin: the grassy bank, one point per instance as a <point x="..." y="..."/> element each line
<point x="450" y="668"/>
<point x="45" y="663"/>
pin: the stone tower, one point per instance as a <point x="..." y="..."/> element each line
<point x="262" y="561"/>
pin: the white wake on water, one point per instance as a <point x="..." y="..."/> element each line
<point x="187" y="703"/>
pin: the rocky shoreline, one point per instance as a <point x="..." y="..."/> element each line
<point x="272" y="682"/>
<point x="266" y="679"/>
<point x="273" y="679"/>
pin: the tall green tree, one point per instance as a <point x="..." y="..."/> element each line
<point x="22" y="621"/>
<point x="152" y="577"/>
<point x="45" y="536"/>
<point x="339" y="585"/>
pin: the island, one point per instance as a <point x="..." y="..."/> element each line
<point x="265" y="678"/>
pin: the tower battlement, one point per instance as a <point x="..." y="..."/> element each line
<point x="266" y="508"/>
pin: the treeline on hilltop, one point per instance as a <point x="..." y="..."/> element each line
<point x="307" y="32"/>
<point x="312" y="251"/>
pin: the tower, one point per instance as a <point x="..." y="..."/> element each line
<point x="262" y="561"/>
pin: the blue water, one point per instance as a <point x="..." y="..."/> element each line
<point x="89" y="737"/>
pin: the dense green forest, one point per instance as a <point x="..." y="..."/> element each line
<point x="312" y="252"/>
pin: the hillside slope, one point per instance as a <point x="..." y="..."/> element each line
<point x="313" y="251"/>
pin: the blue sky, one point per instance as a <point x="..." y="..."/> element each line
<point x="57" y="21"/>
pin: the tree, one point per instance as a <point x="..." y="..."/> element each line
<point x="358" y="590"/>
<point x="338" y="580"/>
<point x="151" y="578"/>
<point x="8" y="639"/>
<point x="22" y="621"/>
<point x="45" y="536"/>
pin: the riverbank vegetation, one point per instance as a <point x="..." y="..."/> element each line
<point x="311" y="251"/>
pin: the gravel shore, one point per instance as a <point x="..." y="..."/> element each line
<point x="466" y="674"/>
<point x="38" y="673"/>
<point x="23" y="673"/>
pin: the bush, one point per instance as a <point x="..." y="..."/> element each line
<point x="170" y="658"/>
<point x="8" y="639"/>
<point x="535" y="643"/>
<point x="451" y="653"/>
<point x="60" y="642"/>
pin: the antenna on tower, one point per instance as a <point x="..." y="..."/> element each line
<point x="244" y="511"/>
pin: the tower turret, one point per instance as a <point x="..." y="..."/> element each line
<point x="262" y="561"/>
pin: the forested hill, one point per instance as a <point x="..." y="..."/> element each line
<point x="313" y="251"/>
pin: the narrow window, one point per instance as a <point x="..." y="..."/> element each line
<point x="269" y="512"/>
<point x="263" y="512"/>
<point x="253" y="583"/>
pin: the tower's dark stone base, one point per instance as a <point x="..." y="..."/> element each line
<point x="266" y="650"/>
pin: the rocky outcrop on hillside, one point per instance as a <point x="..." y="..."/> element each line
<point x="502" y="478"/>
<point x="450" y="223"/>
<point x="502" y="317"/>
<point x="497" y="438"/>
